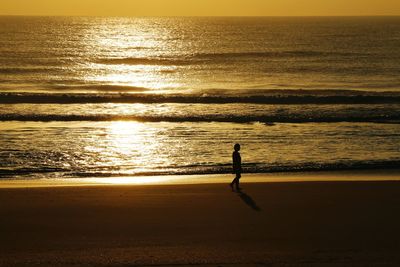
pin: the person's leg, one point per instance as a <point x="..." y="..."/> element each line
<point x="233" y="181"/>
<point x="238" y="175"/>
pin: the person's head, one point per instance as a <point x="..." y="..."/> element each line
<point x="236" y="147"/>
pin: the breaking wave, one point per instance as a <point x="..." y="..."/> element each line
<point x="256" y="97"/>
<point x="300" y="118"/>
<point x="202" y="169"/>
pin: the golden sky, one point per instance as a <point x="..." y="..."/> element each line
<point x="200" y="7"/>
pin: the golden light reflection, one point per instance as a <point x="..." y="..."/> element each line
<point x="126" y="54"/>
<point x="126" y="145"/>
<point x="137" y="76"/>
<point x="133" y="145"/>
<point x="126" y="137"/>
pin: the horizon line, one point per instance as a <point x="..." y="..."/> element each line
<point x="194" y="16"/>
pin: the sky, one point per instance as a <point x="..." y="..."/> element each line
<point x="200" y="7"/>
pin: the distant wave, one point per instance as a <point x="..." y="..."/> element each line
<point x="272" y="54"/>
<point x="144" y="61"/>
<point x="268" y="97"/>
<point x="27" y="70"/>
<point x="100" y="88"/>
<point x="79" y="89"/>
<point x="206" y="57"/>
<point x="201" y="169"/>
<point x="202" y="118"/>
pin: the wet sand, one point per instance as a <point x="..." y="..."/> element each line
<point x="268" y="224"/>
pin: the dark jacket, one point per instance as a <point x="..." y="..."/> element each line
<point x="237" y="161"/>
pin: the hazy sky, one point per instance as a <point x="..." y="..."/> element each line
<point x="200" y="7"/>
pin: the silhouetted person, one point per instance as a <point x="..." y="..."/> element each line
<point x="237" y="166"/>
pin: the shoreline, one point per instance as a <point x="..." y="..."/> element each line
<point x="278" y="177"/>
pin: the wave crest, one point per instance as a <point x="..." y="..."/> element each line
<point x="217" y="57"/>
<point x="211" y="169"/>
<point x="259" y="97"/>
<point x="144" y="61"/>
<point x="209" y="118"/>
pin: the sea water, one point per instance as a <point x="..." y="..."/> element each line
<point x="87" y="96"/>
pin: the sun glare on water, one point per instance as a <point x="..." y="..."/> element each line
<point x="129" y="54"/>
<point x="130" y="140"/>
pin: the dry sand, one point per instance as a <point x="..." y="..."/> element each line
<point x="268" y="224"/>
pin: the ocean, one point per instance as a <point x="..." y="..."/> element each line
<point x="106" y="97"/>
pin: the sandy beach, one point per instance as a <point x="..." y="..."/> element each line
<point x="342" y="223"/>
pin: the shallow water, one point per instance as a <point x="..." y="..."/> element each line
<point x="121" y="148"/>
